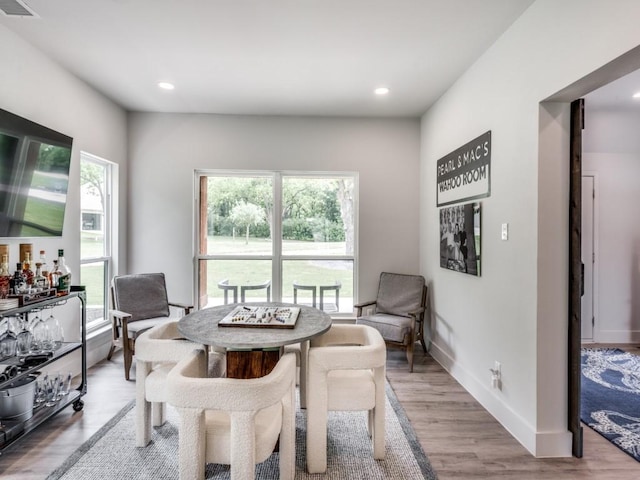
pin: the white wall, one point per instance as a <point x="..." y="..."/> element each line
<point x="516" y="312"/>
<point x="166" y="149"/>
<point x="612" y="152"/>
<point x="34" y="87"/>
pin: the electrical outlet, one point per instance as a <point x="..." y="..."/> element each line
<point x="496" y="375"/>
<point x="496" y="378"/>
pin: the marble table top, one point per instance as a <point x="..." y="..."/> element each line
<point x="202" y="327"/>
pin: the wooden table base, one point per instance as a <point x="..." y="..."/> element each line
<point x="251" y="363"/>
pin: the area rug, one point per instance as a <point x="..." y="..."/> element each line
<point x="111" y="453"/>
<point x="610" y="400"/>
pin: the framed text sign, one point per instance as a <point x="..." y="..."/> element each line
<point x="465" y="174"/>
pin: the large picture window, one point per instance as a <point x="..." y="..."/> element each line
<point x="277" y="236"/>
<point x="96" y="205"/>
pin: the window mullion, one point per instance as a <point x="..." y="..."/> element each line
<point x="276" y="240"/>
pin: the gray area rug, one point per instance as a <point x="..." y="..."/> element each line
<point x="111" y="452"/>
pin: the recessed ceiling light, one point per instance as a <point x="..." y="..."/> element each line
<point x="636" y="95"/>
<point x="166" y="85"/>
<point x="381" y="91"/>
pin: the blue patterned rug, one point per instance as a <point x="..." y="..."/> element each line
<point x="610" y="400"/>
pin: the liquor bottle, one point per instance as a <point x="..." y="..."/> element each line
<point x="18" y="283"/>
<point x="26" y="268"/>
<point x="45" y="266"/>
<point x="64" y="275"/>
<point x="39" y="280"/>
<point x="54" y="274"/>
<point x="5" y="276"/>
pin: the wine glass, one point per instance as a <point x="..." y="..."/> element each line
<point x="25" y="339"/>
<point x="38" y="331"/>
<point x="8" y="339"/>
<point x="55" y="331"/>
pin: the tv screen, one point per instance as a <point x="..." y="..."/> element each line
<point x="34" y="178"/>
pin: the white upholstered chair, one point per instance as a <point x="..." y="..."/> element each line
<point x="233" y="421"/>
<point x="346" y="371"/>
<point x="139" y="303"/>
<point x="158" y="351"/>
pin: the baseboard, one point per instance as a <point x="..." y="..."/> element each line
<point x="98" y="346"/>
<point x="617" y="336"/>
<point x="539" y="444"/>
<point x="346" y="320"/>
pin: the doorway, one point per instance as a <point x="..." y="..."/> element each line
<point x="556" y="140"/>
<point x="588" y="257"/>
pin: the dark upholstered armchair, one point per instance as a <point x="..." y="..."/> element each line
<point x="398" y="311"/>
<point x="139" y="302"/>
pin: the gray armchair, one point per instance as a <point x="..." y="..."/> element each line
<point x="398" y="311"/>
<point x="139" y="303"/>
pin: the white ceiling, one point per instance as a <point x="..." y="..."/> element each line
<point x="280" y="57"/>
<point x="617" y="95"/>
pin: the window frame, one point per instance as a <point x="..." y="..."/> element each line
<point x="109" y="222"/>
<point x="276" y="257"/>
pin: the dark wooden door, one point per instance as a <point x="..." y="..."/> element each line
<point x="575" y="272"/>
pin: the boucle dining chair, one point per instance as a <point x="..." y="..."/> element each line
<point x="139" y="303"/>
<point x="397" y="312"/>
<point x="300" y="350"/>
<point x="346" y="371"/>
<point x="158" y="351"/>
<point x="232" y="421"/>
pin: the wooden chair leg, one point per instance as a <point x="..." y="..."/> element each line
<point x="410" y="356"/>
<point x="420" y="335"/>
<point x="116" y="340"/>
<point x="127" y="367"/>
<point x="424" y="345"/>
<point x="128" y="358"/>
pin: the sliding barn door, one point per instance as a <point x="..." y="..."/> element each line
<point x="575" y="272"/>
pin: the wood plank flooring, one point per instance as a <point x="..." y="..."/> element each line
<point x="463" y="441"/>
<point x="460" y="438"/>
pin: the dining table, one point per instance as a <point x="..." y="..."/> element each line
<point x="251" y="352"/>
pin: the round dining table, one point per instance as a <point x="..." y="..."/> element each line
<point x="251" y="351"/>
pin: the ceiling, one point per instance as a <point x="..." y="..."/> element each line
<point x="617" y="95"/>
<point x="275" y="57"/>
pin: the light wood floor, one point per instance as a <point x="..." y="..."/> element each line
<point x="460" y="438"/>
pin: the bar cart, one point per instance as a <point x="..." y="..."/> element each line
<point x="13" y="430"/>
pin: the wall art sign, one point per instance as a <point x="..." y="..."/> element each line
<point x="460" y="238"/>
<point x="464" y="174"/>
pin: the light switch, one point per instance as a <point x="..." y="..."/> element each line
<point x="505" y="231"/>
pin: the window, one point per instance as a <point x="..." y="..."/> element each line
<point x="96" y="205"/>
<point x="278" y="236"/>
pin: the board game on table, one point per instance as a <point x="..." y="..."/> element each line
<point x="250" y="316"/>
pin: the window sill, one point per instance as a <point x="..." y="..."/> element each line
<point x="98" y="330"/>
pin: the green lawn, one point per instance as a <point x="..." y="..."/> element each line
<point x="251" y="272"/>
<point x="243" y="272"/>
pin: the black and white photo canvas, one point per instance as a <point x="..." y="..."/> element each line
<point x="460" y="238"/>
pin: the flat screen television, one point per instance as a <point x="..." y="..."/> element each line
<point x="34" y="178"/>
